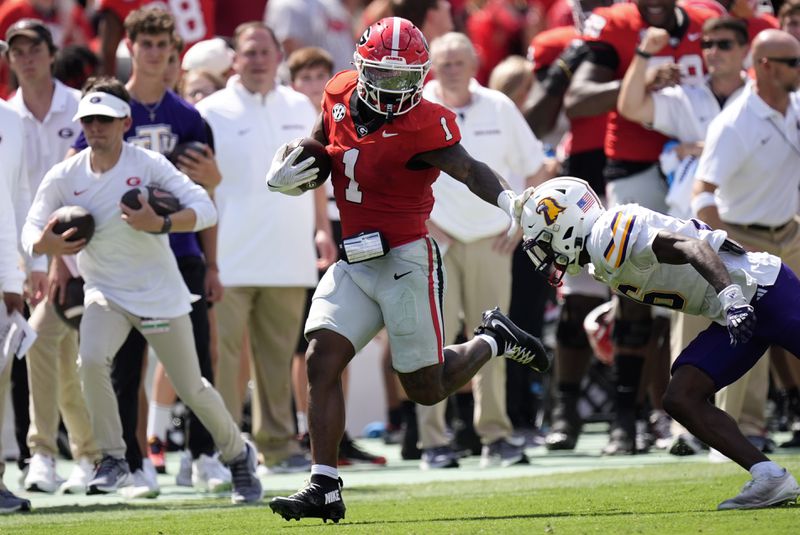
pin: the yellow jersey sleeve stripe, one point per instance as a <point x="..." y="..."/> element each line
<point x="624" y="248"/>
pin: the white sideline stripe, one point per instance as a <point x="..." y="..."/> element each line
<point x="396" y="34"/>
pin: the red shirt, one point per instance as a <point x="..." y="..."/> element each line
<point x="71" y="29"/>
<point x="620" y="27"/>
<point x="374" y="189"/>
<point x="495" y="30"/>
<point x="587" y="133"/>
<point x="194" y="19"/>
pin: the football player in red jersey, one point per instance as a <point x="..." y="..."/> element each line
<point x="194" y="21"/>
<point x="631" y="169"/>
<point x="387" y="146"/>
<point x="557" y="53"/>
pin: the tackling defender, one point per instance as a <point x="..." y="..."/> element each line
<point x="659" y="260"/>
<point x="388" y="145"/>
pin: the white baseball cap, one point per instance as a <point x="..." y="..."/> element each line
<point x="101" y="103"/>
<point x="213" y="55"/>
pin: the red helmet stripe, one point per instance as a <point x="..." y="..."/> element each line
<point x="396" y="33"/>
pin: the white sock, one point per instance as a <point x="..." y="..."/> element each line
<point x="158" y="420"/>
<point x="489" y="340"/>
<point x="766" y="469"/>
<point x="302" y="423"/>
<point x="325" y="470"/>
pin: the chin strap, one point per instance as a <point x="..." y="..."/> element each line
<point x="389" y="113"/>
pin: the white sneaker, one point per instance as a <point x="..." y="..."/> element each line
<point x="78" y="478"/>
<point x="42" y="475"/>
<point x="184" y="476"/>
<point x="150" y="474"/>
<point x="210" y="475"/>
<point x="764" y="492"/>
<point x="141" y="487"/>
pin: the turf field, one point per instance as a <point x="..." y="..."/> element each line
<point x="576" y="492"/>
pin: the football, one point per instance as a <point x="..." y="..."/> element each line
<point x="162" y="201"/>
<point x="182" y="148"/>
<point x="74" y="217"/>
<point x="71" y="311"/>
<point x="315" y="149"/>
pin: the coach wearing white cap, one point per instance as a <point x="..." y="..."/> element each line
<point x="132" y="279"/>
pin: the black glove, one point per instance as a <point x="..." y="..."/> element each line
<point x="560" y="72"/>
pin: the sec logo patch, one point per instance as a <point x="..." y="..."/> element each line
<point x="338" y="112"/>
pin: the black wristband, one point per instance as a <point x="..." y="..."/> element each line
<point x="167" y="226"/>
<point x="642" y="54"/>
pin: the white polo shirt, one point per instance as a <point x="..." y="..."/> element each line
<point x="265" y="238"/>
<point x="47" y="141"/>
<point x="12" y="193"/>
<point x="752" y="154"/>
<point x="684" y="111"/>
<point x="492" y="131"/>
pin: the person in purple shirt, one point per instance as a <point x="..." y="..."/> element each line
<point x="161" y="121"/>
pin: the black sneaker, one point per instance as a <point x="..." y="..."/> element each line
<point x="320" y="498"/>
<point x="514" y="343"/>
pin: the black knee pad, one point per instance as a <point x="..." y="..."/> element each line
<point x="631" y="333"/>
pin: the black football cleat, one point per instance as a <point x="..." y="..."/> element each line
<point x="514" y="343"/>
<point x="320" y="498"/>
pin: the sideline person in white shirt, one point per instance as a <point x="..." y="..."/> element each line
<point x="131" y="279"/>
<point x="684" y="112"/>
<point x="47" y="108"/>
<point x="472" y="237"/>
<point x="12" y="278"/>
<point x="747" y="177"/>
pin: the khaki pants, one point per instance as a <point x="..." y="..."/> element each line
<point x="55" y="386"/>
<point x="273" y="317"/>
<point x="103" y="330"/>
<point x="477" y="279"/>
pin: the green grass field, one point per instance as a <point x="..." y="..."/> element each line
<point x="669" y="498"/>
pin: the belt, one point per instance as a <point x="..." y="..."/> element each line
<point x="763" y="228"/>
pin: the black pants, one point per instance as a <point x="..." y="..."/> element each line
<point x="126" y="372"/>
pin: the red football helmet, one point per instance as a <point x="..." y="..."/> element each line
<point x="392" y="61"/>
<point x="598" y="325"/>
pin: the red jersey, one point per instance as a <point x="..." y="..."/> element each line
<point x="619" y="29"/>
<point x="587" y="133"/>
<point x="71" y="28"/>
<point x="374" y="188"/>
<point x="194" y="19"/>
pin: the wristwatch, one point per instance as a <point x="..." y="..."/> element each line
<point x="167" y="226"/>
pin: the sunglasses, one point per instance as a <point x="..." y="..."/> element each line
<point x="791" y="62"/>
<point x="103" y="119"/>
<point x="722" y="44"/>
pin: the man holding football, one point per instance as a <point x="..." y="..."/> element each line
<point x="131" y="280"/>
<point x="387" y="145"/>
